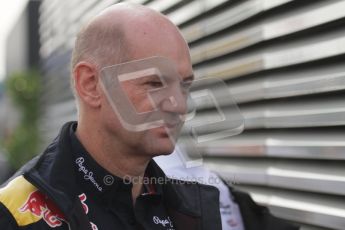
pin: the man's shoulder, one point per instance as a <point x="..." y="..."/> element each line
<point x="19" y="183"/>
<point x="191" y="188"/>
<point x="19" y="198"/>
<point x="198" y="200"/>
<point x="186" y="195"/>
<point x="194" y="195"/>
<point x="14" y="198"/>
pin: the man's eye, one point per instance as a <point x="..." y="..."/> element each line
<point x="186" y="85"/>
<point x="154" y="84"/>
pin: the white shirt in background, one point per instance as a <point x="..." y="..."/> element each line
<point x="173" y="167"/>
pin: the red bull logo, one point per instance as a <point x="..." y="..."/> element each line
<point x="41" y="206"/>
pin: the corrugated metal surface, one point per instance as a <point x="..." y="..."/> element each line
<point x="283" y="61"/>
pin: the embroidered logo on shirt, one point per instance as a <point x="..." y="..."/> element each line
<point x="164" y="222"/>
<point x="83" y="198"/>
<point x="88" y="175"/>
<point x="41" y="206"/>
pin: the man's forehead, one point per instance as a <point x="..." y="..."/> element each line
<point x="159" y="41"/>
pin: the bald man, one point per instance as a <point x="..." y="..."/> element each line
<point x="131" y="71"/>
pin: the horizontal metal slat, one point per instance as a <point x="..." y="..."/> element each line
<point x="264" y="32"/>
<point x="293" y="114"/>
<point x="313" y="209"/>
<point x="289" y="84"/>
<point x="163" y="5"/>
<point x="319" y="16"/>
<point x="192" y="10"/>
<point x="229" y="18"/>
<point x="271" y="60"/>
<point x="312" y="52"/>
<point x="227" y="44"/>
<point x="139" y="1"/>
<point x="309" y="227"/>
<point x="317" y="145"/>
<point x="302" y="176"/>
<point x="296" y="114"/>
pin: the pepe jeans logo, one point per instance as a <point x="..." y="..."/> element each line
<point x="164" y="222"/>
<point x="88" y="175"/>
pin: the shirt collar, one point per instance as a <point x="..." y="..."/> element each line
<point x="101" y="184"/>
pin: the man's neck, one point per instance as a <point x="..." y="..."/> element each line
<point x="119" y="163"/>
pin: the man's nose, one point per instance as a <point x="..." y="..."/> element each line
<point x="175" y="102"/>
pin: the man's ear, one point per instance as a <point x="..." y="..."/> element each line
<point x="86" y="83"/>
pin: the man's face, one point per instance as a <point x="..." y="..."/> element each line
<point x="156" y="90"/>
<point x="152" y="37"/>
<point x="158" y="94"/>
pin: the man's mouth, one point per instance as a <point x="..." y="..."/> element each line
<point x="169" y="129"/>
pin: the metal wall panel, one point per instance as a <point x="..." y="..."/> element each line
<point x="283" y="61"/>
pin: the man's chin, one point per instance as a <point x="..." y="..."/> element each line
<point x="164" y="143"/>
<point x="163" y="150"/>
